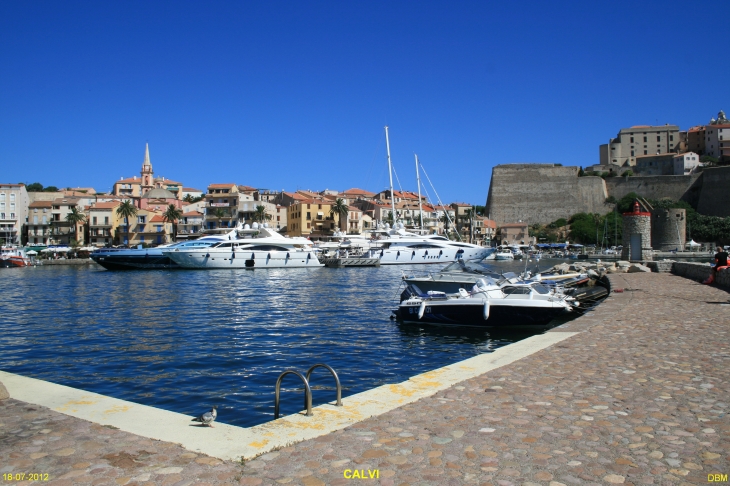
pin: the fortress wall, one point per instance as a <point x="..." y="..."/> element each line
<point x="651" y="187"/>
<point x="714" y="198"/>
<point x="542" y="193"/>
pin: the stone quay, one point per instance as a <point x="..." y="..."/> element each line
<point x="639" y="393"/>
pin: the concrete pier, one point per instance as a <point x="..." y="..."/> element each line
<point x="635" y="392"/>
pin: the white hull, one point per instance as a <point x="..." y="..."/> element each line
<point x="245" y="259"/>
<point x="405" y="256"/>
<point x="504" y="256"/>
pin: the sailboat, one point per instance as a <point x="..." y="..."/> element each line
<point x="396" y="246"/>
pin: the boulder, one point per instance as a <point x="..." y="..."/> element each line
<point x="623" y="263"/>
<point x="635" y="268"/>
<point x="3" y="392"/>
<point x="593" y="274"/>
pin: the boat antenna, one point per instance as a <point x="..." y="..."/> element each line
<point x="390" y="175"/>
<point x="418" y="181"/>
<point x="448" y="218"/>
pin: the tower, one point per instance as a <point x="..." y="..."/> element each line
<point x="147" y="172"/>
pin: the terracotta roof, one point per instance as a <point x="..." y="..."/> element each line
<point x="246" y="188"/>
<point x="105" y="205"/>
<point x="66" y="200"/>
<point x="40" y="204"/>
<point x="460" y="204"/>
<point x="222" y="186"/>
<point x="193" y="213"/>
<point x="355" y="191"/>
<point x="191" y="189"/>
<point x="11" y="185"/>
<point x="353" y="208"/>
<point x="130" y="179"/>
<point x="157" y="219"/>
<point x="167" y="181"/>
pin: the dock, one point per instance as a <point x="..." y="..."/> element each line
<point x="634" y="392"/>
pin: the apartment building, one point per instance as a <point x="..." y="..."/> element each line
<point x="13" y="213"/>
<point x="311" y="217"/>
<point x="39" y="223"/>
<point x="146" y="228"/>
<point x="64" y="232"/>
<point x="640" y="140"/>
<point x="221" y="206"/>
<point x="102" y="223"/>
<point x="190" y="224"/>
<point x="717" y="137"/>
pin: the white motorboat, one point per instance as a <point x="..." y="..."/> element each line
<point x="258" y="246"/>
<point x="396" y="246"/>
<point x="489" y="304"/>
<point x="504" y="255"/>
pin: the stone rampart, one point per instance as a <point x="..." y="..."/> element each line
<point x="652" y="187"/>
<point x="542" y="193"/>
<point x="700" y="272"/>
<point x="714" y="199"/>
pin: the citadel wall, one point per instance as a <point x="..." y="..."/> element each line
<point x="543" y="193"/>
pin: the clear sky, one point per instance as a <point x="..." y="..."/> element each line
<point x="295" y="94"/>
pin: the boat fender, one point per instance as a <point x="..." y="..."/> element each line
<point x="414" y="253"/>
<point x="486" y="310"/>
<point x="421" y="309"/>
<point x="426" y="252"/>
<point x="207" y="255"/>
<point x="381" y="253"/>
<point x="233" y="254"/>
<point x="268" y="257"/>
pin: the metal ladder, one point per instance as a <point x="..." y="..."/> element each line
<point x="307" y="389"/>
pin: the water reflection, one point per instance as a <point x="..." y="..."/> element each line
<point x="183" y="340"/>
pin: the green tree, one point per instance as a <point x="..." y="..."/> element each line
<point x="188" y="198"/>
<point x="126" y="210"/>
<point x="708" y="160"/>
<point x="34" y="187"/>
<point x="340" y="209"/>
<point x="74" y="217"/>
<point x="172" y="214"/>
<point x="628" y="173"/>
<point x="480" y="210"/>
<point x="50" y="189"/>
<point x="583" y="228"/>
<point x="260" y="214"/>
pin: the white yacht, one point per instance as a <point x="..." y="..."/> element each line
<point x="257" y="247"/>
<point x="396" y="246"/>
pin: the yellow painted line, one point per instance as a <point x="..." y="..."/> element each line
<point x="229" y="442"/>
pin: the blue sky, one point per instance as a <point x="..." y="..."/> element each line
<point x="294" y="95"/>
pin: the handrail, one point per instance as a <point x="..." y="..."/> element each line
<point x="307" y="392"/>
<point x="334" y="374"/>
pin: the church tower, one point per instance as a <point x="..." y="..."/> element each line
<point x="147" y="173"/>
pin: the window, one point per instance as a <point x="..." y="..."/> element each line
<point x="2" y="215"/>
<point x="106" y="219"/>
<point x="645" y="152"/>
<point x="141" y="219"/>
<point x="12" y="197"/>
<point x="671" y="138"/>
<point x="2" y="195"/>
<point x="12" y="215"/>
<point x="307" y="206"/>
<point x="141" y="238"/>
<point x="632" y="139"/>
<point x="93" y="220"/>
<point x="632" y="153"/>
<point x="309" y="215"/>
<point x="644" y="139"/>
<point x="658" y="138"/>
<point x="309" y="225"/>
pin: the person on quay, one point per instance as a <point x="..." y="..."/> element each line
<point x="720" y="264"/>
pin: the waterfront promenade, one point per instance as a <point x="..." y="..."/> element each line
<point x="640" y="395"/>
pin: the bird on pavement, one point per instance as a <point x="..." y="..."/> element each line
<point x="208" y="417"/>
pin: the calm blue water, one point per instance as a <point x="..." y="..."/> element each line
<point x="185" y="340"/>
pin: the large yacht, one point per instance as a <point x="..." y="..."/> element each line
<point x="396" y="246"/>
<point x="152" y="258"/>
<point x="258" y="246"/>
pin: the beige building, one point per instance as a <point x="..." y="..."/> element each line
<point x="640" y="140"/>
<point x="513" y="234"/>
<point x="311" y="218"/>
<point x="39" y="223"/>
<point x="221" y="206"/>
<point x="62" y="231"/>
<point x="717" y="137"/>
<point x="135" y="187"/>
<point x="13" y="212"/>
<point x="146" y="228"/>
<point x="103" y="222"/>
<point x="190" y="224"/>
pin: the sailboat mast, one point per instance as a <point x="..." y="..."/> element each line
<point x="418" y="180"/>
<point x="390" y="175"/>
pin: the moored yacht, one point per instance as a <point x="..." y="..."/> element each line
<point x="152" y="258"/>
<point x="258" y="247"/>
<point x="12" y="256"/>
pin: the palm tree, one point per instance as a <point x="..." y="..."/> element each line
<point x="340" y="209"/>
<point x="171" y="215"/>
<point x="74" y="218"/>
<point x="260" y="214"/>
<point x="126" y="210"/>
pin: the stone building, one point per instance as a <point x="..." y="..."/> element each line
<point x="39" y="223"/>
<point x="668" y="229"/>
<point x="640" y="140"/>
<point x="667" y="164"/>
<point x="636" y="235"/>
<point x="717" y="137"/>
<point x="13" y="212"/>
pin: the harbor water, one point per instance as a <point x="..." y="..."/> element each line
<point x="184" y="340"/>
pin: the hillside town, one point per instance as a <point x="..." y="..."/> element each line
<point x="151" y="210"/>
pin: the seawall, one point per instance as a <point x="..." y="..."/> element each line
<point x="700" y="272"/>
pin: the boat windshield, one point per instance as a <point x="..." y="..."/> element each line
<point x="540" y="288"/>
<point x="485" y="282"/>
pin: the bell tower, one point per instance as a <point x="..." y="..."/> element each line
<point x="147" y="172"/>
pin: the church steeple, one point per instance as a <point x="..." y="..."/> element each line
<point x="147" y="172"/>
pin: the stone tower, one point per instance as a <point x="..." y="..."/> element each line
<point x="668" y="229"/>
<point x="636" y="235"/>
<point x="147" y="172"/>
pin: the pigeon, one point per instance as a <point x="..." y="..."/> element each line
<point x="208" y="417"/>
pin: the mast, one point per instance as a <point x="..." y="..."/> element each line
<point x="390" y="175"/>
<point x="418" y="180"/>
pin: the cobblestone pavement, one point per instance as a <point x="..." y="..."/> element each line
<point x="641" y="396"/>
